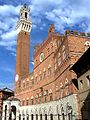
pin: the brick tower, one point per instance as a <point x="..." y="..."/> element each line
<point x="23" y="28"/>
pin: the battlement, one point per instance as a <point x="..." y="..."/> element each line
<point x="81" y="34"/>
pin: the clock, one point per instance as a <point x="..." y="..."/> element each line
<point x="41" y="56"/>
<point x="16" y="77"/>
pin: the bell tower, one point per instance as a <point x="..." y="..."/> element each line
<point x="23" y="28"/>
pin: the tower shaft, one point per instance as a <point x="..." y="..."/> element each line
<point x="23" y="54"/>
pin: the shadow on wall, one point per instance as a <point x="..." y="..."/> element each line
<point x="85" y="109"/>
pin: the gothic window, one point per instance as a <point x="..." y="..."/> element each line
<point x="64" y="52"/>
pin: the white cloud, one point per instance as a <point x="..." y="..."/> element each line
<point x="9" y="35"/>
<point x="62" y="13"/>
<point x="9" y="10"/>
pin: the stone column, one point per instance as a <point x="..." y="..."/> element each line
<point x="8" y="112"/>
<point x="17" y="115"/>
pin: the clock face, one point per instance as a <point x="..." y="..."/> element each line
<point x="41" y="57"/>
<point x="16" y="77"/>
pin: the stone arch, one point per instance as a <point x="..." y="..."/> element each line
<point x="36" y="111"/>
<point x="31" y="112"/>
<point x="44" y="110"/>
<point x="69" y="108"/>
<point x="40" y="110"/>
<point x="12" y="114"/>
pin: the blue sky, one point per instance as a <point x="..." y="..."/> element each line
<point x="64" y="14"/>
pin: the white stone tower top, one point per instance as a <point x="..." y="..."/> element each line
<point x="24" y="23"/>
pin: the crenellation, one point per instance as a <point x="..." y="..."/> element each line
<point x="82" y="34"/>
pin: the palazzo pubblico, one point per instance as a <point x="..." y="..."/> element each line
<point x="48" y="93"/>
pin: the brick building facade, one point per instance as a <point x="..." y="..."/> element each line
<point x="48" y="92"/>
